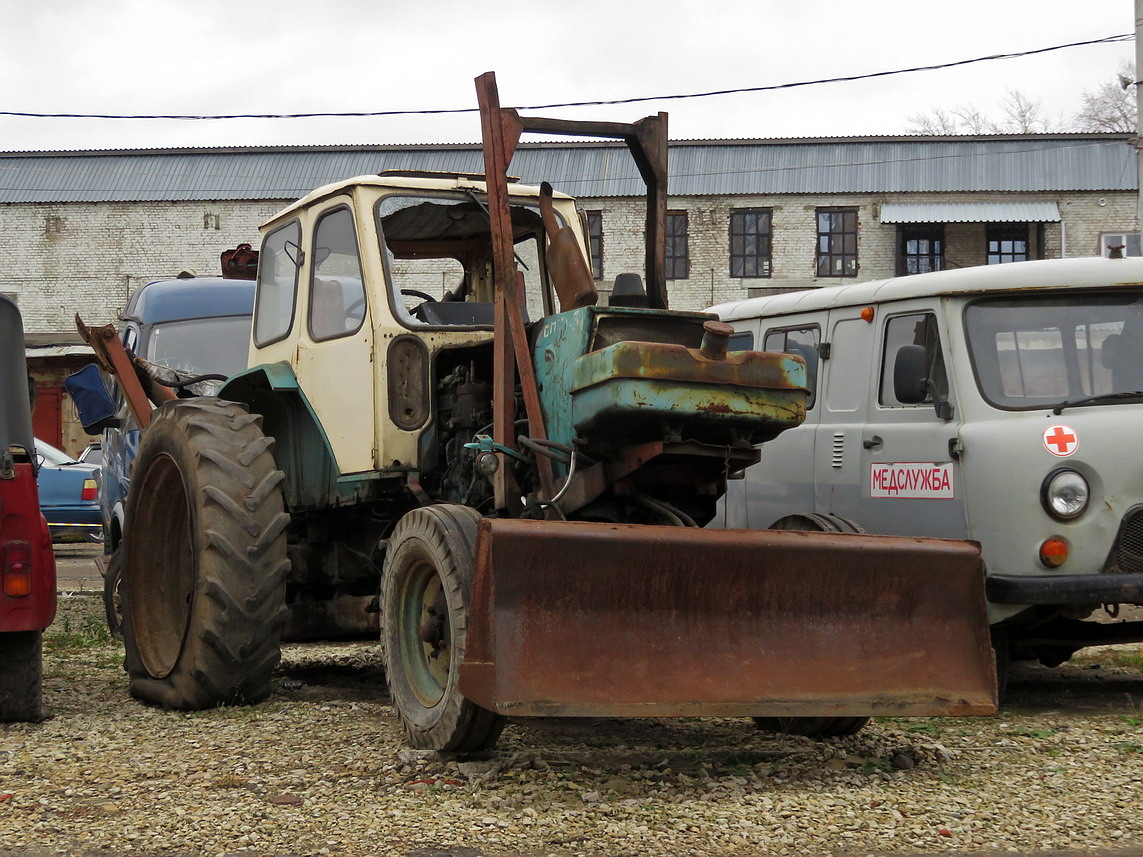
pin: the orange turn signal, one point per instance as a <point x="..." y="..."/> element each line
<point x="1054" y="553"/>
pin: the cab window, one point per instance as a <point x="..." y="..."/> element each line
<point x="278" y="265"/>
<point x="802" y="341"/>
<point x="916" y="329"/>
<point x="337" y="291"/>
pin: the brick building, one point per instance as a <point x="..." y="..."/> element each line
<point x="81" y="230"/>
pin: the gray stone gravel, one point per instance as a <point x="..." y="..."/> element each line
<point x="320" y="769"/>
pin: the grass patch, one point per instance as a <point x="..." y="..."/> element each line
<point x="75" y="633"/>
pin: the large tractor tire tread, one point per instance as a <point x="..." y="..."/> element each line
<point x="233" y="572"/>
<point x="434" y="542"/>
<point x="21" y="676"/>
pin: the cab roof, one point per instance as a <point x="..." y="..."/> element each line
<point x="1081" y="273"/>
<point x="397" y="180"/>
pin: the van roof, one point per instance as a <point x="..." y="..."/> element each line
<point x="1082" y="273"/>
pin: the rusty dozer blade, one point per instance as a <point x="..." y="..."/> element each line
<point x="589" y="619"/>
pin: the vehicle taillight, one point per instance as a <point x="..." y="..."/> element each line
<point x="16" y="569"/>
<point x="90" y="490"/>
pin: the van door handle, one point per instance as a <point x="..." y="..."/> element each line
<point x="872" y="443"/>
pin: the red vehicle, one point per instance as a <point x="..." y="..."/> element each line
<point x="27" y="566"/>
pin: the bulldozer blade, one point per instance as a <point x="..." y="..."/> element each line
<point x="591" y="619"/>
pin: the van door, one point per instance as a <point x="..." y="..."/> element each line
<point x="846" y="361"/>
<point x="910" y="475"/>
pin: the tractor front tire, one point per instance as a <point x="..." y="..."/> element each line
<point x="204" y="562"/>
<point x="426" y="590"/>
<point x="21" y="676"/>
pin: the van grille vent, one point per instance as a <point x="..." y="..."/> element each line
<point x="1127" y="555"/>
<point x="838" y="450"/>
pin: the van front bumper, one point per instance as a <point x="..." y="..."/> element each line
<point x="1065" y="589"/>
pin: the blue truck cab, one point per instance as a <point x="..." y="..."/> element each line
<point x="186" y="327"/>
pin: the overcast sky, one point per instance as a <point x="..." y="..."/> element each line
<point x="293" y="56"/>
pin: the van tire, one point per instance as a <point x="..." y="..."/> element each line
<point x="814" y="523"/>
<point x="814" y="727"/>
<point x="204" y="564"/>
<point x="21" y="676"/>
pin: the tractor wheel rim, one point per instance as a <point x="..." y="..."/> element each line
<point x="162" y="566"/>
<point x="426" y="635"/>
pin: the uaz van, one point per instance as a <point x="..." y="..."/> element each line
<point x="1001" y="404"/>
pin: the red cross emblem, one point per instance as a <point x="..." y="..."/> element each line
<point x="1061" y="440"/>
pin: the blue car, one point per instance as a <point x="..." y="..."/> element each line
<point x="69" y="494"/>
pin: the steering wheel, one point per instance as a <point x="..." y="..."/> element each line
<point x="413" y="293"/>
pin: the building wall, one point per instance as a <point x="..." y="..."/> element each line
<point x="66" y="258"/>
<point x="794" y="230"/>
<point x="87" y="257"/>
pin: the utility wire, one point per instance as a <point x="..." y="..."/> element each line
<point x="1122" y="37"/>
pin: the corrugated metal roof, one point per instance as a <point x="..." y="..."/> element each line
<point x="1033" y="163"/>
<point x="970" y="212"/>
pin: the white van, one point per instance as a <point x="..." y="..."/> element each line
<point x="1002" y="404"/>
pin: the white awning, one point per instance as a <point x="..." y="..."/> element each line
<point x="970" y="212"/>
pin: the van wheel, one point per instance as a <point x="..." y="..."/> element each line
<point x="426" y="590"/>
<point x="814" y="727"/>
<point x="813" y="523"/>
<point x="204" y="563"/>
<point x="112" y="597"/>
<point x="21" y="676"/>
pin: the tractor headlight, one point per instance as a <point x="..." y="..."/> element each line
<point x="1065" y="494"/>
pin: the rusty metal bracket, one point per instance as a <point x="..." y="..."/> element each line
<point x="139" y="389"/>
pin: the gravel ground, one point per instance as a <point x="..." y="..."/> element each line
<point x="320" y="769"/>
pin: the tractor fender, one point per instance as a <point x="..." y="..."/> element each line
<point x="302" y="449"/>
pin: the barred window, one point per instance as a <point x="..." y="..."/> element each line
<point x="595" y="242"/>
<point x="678" y="256"/>
<point x="750" y="242"/>
<point x="837" y="242"/>
<point x="921" y="248"/>
<point x="1007" y="242"/>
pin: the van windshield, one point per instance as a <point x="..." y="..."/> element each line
<point x="1038" y="351"/>
<point x="200" y="346"/>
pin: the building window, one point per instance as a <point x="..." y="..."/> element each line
<point x="750" y="242"/>
<point x="595" y="242"/>
<point x="1007" y="242"/>
<point x="921" y="248"/>
<point x="211" y="221"/>
<point x="837" y="242"/>
<point x="53" y="224"/>
<point x="1129" y="241"/>
<point x="678" y="257"/>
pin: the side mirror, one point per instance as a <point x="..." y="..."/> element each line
<point x="910" y="375"/>
<point x="912" y="384"/>
<point x="92" y="401"/>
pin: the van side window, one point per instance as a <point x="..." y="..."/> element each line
<point x="802" y="341"/>
<point x="743" y="340"/>
<point x="917" y="329"/>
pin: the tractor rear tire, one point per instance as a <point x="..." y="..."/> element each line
<point x="21" y="676"/>
<point x="204" y="564"/>
<point x="426" y="591"/>
<point x="814" y="727"/>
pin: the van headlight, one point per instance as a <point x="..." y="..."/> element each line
<point x="1065" y="494"/>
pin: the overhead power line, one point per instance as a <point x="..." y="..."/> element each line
<point x="1122" y="37"/>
